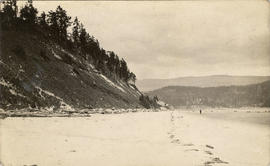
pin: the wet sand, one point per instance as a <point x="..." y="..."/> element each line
<point x="169" y="138"/>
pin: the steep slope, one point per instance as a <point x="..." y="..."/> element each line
<point x="224" y="96"/>
<point x="35" y="72"/>
<point x="204" y="81"/>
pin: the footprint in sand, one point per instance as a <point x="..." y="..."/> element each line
<point x="188" y="145"/>
<point x="172" y="136"/>
<point x="208" y="152"/>
<point x="209" y="146"/>
<point x="215" y="160"/>
<point x="177" y="141"/>
<point x="218" y="160"/>
<point x="196" y="150"/>
<point x="172" y="117"/>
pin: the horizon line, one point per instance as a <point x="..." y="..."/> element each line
<point x="228" y="75"/>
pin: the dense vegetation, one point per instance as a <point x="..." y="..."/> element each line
<point x="56" y="26"/>
<point x="148" y="103"/>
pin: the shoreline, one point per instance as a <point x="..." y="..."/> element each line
<point x="27" y="112"/>
<point x="68" y="113"/>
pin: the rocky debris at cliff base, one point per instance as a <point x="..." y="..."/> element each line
<point x="52" y="112"/>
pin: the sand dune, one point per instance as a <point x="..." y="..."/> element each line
<point x="169" y="138"/>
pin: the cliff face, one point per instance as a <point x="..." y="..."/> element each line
<point x="37" y="73"/>
<point x="224" y="96"/>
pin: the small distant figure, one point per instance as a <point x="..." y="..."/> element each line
<point x="200" y="111"/>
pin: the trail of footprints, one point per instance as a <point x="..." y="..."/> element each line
<point x="206" y="148"/>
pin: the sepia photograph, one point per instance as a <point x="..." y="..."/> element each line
<point x="135" y="83"/>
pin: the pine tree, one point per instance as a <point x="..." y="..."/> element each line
<point x="132" y="77"/>
<point x="53" y="25"/>
<point x="111" y="61"/>
<point x="104" y="56"/>
<point x="155" y="99"/>
<point x="29" y="14"/>
<point x="83" y="39"/>
<point x="117" y="66"/>
<point x="75" y="32"/>
<point x="58" y="24"/>
<point x="63" y="23"/>
<point x="9" y="14"/>
<point x="42" y="21"/>
<point x="124" y="72"/>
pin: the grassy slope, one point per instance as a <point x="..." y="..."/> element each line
<point x="54" y="77"/>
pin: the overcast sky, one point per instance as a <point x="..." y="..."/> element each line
<point x="180" y="38"/>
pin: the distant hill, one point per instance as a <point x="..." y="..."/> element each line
<point x="223" y="96"/>
<point x="203" y="81"/>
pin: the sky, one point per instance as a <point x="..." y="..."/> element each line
<point x="167" y="39"/>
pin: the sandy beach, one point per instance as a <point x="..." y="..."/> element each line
<point x="168" y="138"/>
